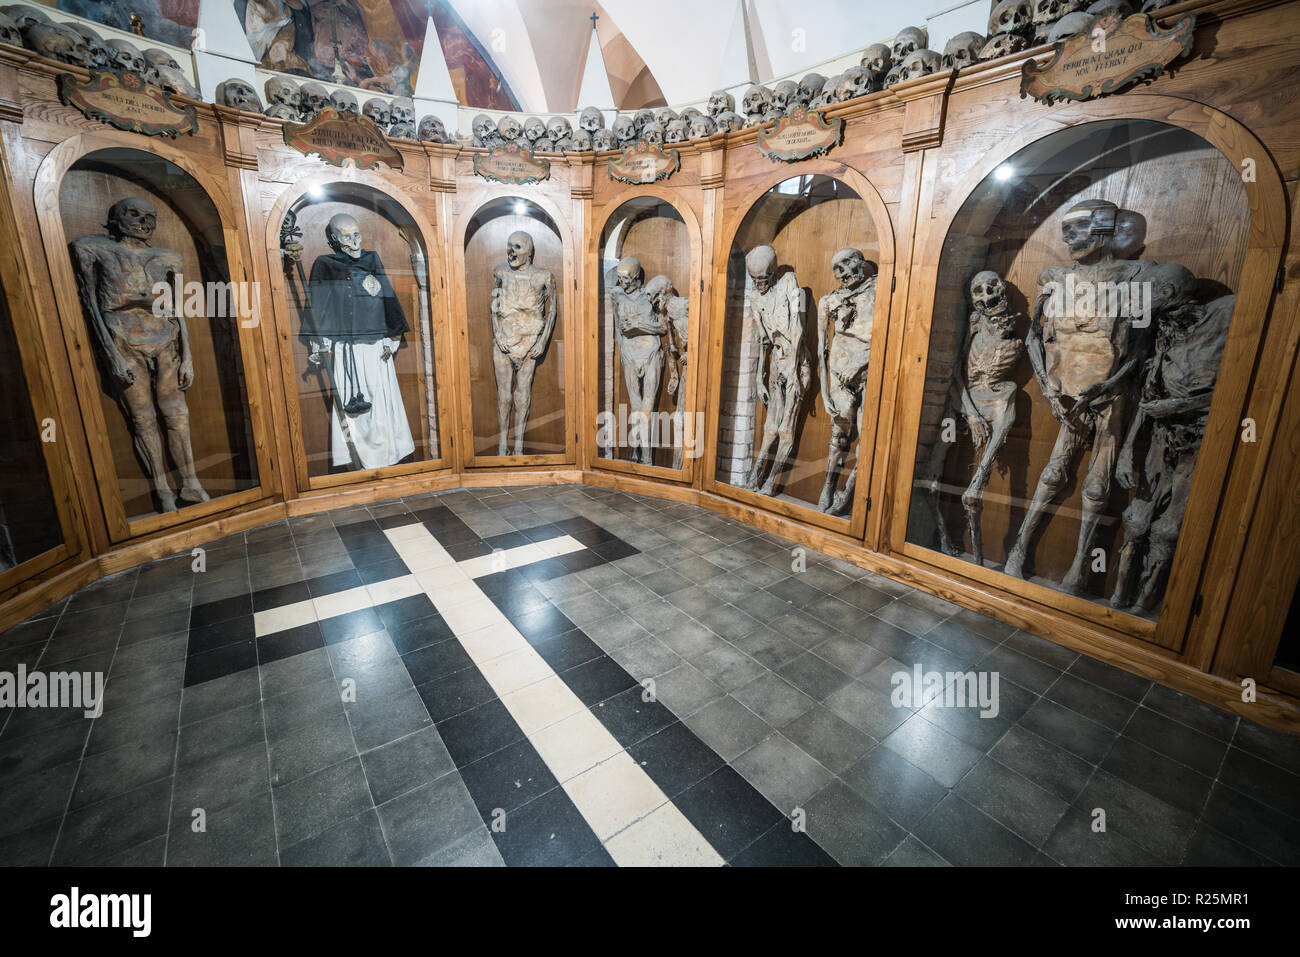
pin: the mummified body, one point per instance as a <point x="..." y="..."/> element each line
<point x="775" y="304"/>
<point x="844" y="319"/>
<point x="1083" y="356"/>
<point x="523" y="317"/>
<point x="674" y="310"/>
<point x="638" y="327"/>
<point x="1174" y="406"/>
<point x="983" y="389"/>
<point x="147" y="356"/>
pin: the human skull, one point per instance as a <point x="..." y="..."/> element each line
<point x="54" y="41"/>
<point x="101" y="55"/>
<point x="689" y="114"/>
<point x="961" y="51"/>
<point x="520" y="249"/>
<point x="484" y="129"/>
<point x="850" y="267"/>
<point x="854" y="82"/>
<point x="133" y="218"/>
<point x="907" y="40"/>
<point x="313" y="97"/>
<point x="1119" y="8"/>
<point x="432" y="130"/>
<point x="677" y="131"/>
<point x="155" y="57"/>
<point x="510" y="129"/>
<point x="894" y="75"/>
<point x="603" y="140"/>
<point x="643" y="118"/>
<point x="1070" y="25"/>
<point x="239" y="95"/>
<point x="344" y="234"/>
<point x="544" y="145"/>
<point x="920" y="63"/>
<point x="702" y="126"/>
<point x="624" y="129"/>
<point x="988" y="293"/>
<point x="283" y="93"/>
<point x="1088" y="226"/>
<point x="1130" y="234"/>
<point x="591" y="119"/>
<point x="653" y="133"/>
<point x="756" y="101"/>
<point x="129" y="58"/>
<point x="566" y="144"/>
<point x="23" y="14"/>
<point x="628" y="275"/>
<point x="720" y="101"/>
<point x="664" y="115"/>
<point x="1012" y="16"/>
<point x="402" y="131"/>
<point x="558" y="128"/>
<point x="172" y="80"/>
<point x="1002" y="44"/>
<point x="730" y="120"/>
<point x="827" y="96"/>
<point x="782" y="94"/>
<point x="760" y="264"/>
<point x="378" y="110"/>
<point x="1047" y="12"/>
<point x="810" y="86"/>
<point x="877" y="58"/>
<point x="344" y="102"/>
<point x="771" y="116"/>
<point x="9" y="32"/>
<point x="402" y="110"/>
<point x="581" y="141"/>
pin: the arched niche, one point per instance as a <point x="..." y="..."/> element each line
<point x="486" y="234"/>
<point x="806" y="219"/>
<point x="401" y="429"/>
<point x="189" y="223"/>
<point x="651" y="230"/>
<point x="1181" y="201"/>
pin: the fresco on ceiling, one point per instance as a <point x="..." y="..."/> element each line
<point x="167" y="21"/>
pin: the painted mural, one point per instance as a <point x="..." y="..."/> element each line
<point x="168" y="21"/>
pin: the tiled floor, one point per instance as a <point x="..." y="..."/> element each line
<point x="577" y="676"/>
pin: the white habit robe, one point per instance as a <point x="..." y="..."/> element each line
<point x="381" y="435"/>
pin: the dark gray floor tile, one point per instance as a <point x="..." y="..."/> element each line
<point x="404" y="764"/>
<point x="933" y="750"/>
<point x="728" y="727"/>
<point x="230" y="779"/>
<point x="242" y="835"/>
<point x="1077" y="843"/>
<point x="1147" y="821"/>
<point x="424" y="821"/>
<point x="902" y="790"/>
<point x="1052" y="768"/>
<point x="773" y="699"/>
<point x="309" y="805"/>
<point x="782" y="772"/>
<point x="912" y="853"/>
<point x="849" y="828"/>
<point x="830" y="739"/>
<point x="116" y="824"/>
<point x="355" y="842"/>
<point x="961" y="833"/>
<point x="1011" y="800"/>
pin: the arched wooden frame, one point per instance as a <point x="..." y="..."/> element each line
<point x="1267" y="202"/>
<point x="47" y="186"/>
<point x="854" y="524"/>
<point x="570" y="311"/>
<point x="285" y="326"/>
<point x="695" y="337"/>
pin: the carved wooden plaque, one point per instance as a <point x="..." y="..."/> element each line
<point x="798" y="135"/>
<point x="335" y="137"/>
<point x="644" y="162"/>
<point x="511" y="164"/>
<point x="1116" y="54"/>
<point x="124" y="100"/>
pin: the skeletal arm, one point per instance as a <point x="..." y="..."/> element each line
<point x="548" y="290"/>
<point x="823" y="347"/>
<point x="88" y="280"/>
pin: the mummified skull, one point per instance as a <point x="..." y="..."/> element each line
<point x="239" y="95"/>
<point x="344" y="102"/>
<point x="988" y="293"/>
<point x="920" y="63"/>
<point x="581" y="141"/>
<point x="810" y="86"/>
<point x="155" y="57"/>
<point x="720" y="101"/>
<point x="510" y="128"/>
<point x="54" y="41"/>
<point x="603" y="140"/>
<point x="432" y="130"/>
<point x="853" y="82"/>
<point x="484" y="130"/>
<point x="101" y="55"/>
<point x="702" y="126"/>
<point x="558" y="128"/>
<point x="172" y="80"/>
<point x="907" y="40"/>
<point x="877" y="58"/>
<point x="643" y="118"/>
<point x="129" y="58"/>
<point x="628" y="274"/>
<point x="1070" y="25"/>
<point x="402" y="131"/>
<point x="664" y="115"/>
<point x="677" y="131"/>
<point x="894" y="75"/>
<point x="624" y="129"/>
<point x="544" y="145"/>
<point x="827" y="96"/>
<point x="23" y="15"/>
<point x="283" y="93"/>
<point x="313" y="97"/>
<point x="402" y="111"/>
<point x="1002" y="44"/>
<point x="760" y="264"/>
<point x="689" y="114"/>
<point x="1047" y="12"/>
<point x="962" y="50"/>
<point x="591" y="119"/>
<point x="653" y="133"/>
<point x="756" y="101"/>
<point x="378" y="110"/>
<point x="567" y="144"/>
<point x="730" y="120"/>
<point x="9" y="32"/>
<point x="782" y="94"/>
<point x="1012" y="16"/>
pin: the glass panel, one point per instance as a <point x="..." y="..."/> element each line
<point x="514" y="266"/>
<point x="29" y="524"/>
<point x="357" y="278"/>
<point x="801" y="293"/>
<point x="645" y="273"/>
<point x="149" y="252"/>
<point x="1061" y="449"/>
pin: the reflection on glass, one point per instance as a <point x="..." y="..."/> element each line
<point x="801" y="296"/>
<point x="1078" y="326"/>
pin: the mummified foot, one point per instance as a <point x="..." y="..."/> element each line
<point x="166" y="501"/>
<point x="841" y="502"/>
<point x="1015" y="562"/>
<point x="193" y="493"/>
<point x="1073" y="580"/>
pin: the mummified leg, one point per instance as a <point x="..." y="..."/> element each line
<point x="972" y="499"/>
<point x="505" y="373"/>
<point x="1050" y="482"/>
<point x="1164" y="534"/>
<point x="933" y="479"/>
<point x="523" y="399"/>
<point x="1096" y="490"/>
<point x="838" y="452"/>
<point x="1137" y="525"/>
<point x="771" y="426"/>
<point x="145" y="435"/>
<point x="176" y="417"/>
<point x="786" y="410"/>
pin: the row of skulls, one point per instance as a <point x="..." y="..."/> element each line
<point x="77" y="44"/>
<point x="557" y="134"/>
<point x="286" y="100"/>
<point x="1017" y="25"/>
